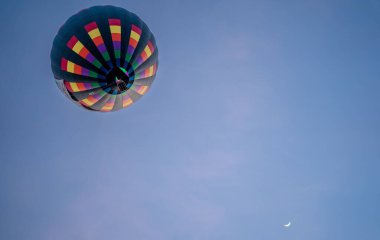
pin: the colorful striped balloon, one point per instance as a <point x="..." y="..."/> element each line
<point x="104" y="58"/>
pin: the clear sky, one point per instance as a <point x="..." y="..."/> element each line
<point x="262" y="112"/>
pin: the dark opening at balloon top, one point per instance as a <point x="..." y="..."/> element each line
<point x="104" y="58"/>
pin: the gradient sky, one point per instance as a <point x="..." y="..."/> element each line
<point x="262" y="112"/>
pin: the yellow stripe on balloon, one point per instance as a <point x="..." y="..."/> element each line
<point x="70" y="67"/>
<point x="94" y="33"/>
<point x="135" y="35"/>
<point x="87" y="102"/>
<point x="115" y="29"/>
<point x="147" y="51"/>
<point x="126" y="101"/>
<point x="78" y="47"/>
<point x="74" y="87"/>
<point x="141" y="89"/>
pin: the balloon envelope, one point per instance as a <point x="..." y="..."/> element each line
<point x="104" y="58"/>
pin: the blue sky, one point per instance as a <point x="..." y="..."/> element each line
<point x="262" y="112"/>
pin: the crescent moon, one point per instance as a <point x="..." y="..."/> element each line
<point x="287" y="225"/>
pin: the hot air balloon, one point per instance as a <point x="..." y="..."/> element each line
<point x="104" y="58"/>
